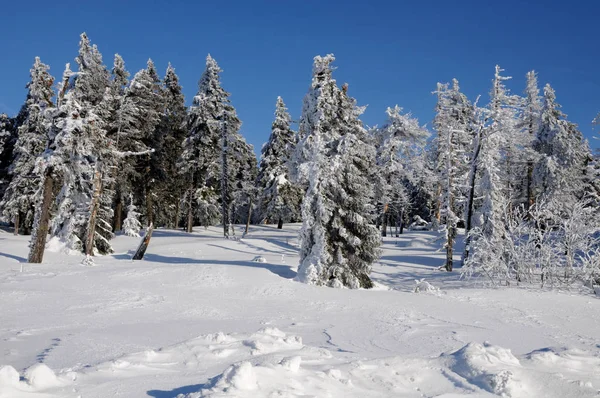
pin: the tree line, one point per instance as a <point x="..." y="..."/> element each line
<point x="101" y="152"/>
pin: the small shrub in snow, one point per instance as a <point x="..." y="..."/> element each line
<point x="422" y="286"/>
<point x="132" y="225"/>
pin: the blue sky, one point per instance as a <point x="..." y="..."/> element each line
<point x="390" y="52"/>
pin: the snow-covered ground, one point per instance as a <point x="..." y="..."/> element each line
<point x="199" y="318"/>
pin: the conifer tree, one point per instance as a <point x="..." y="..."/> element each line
<point x="453" y="123"/>
<point x="169" y="136"/>
<point x="279" y="199"/>
<point x="214" y="149"/>
<point x="93" y="77"/>
<point x="531" y="119"/>
<point x="18" y="203"/>
<point x="398" y="143"/>
<point x="73" y="158"/>
<point x="564" y="151"/>
<point x="338" y="241"/>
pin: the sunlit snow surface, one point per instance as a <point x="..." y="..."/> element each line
<point x="202" y="317"/>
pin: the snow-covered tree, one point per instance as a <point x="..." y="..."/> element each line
<point x="530" y="120"/>
<point x="18" y="203"/>
<point x="338" y="241"/>
<point x="138" y="116"/>
<point x="93" y="78"/>
<point x="279" y="199"/>
<point x="214" y="149"/>
<point x="399" y="143"/>
<point x="132" y="224"/>
<point x="453" y="124"/>
<point x="169" y="136"/>
<point x="486" y="240"/>
<point x="564" y="151"/>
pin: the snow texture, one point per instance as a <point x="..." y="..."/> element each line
<point x="198" y="318"/>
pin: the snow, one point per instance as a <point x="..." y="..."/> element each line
<point x="198" y="318"/>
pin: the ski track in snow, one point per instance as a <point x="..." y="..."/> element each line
<point x="199" y="318"/>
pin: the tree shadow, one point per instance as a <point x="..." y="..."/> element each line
<point x="176" y="391"/>
<point x="12" y="256"/>
<point x="284" y="271"/>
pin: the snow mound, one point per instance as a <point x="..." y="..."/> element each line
<point x="422" y="286"/>
<point x="271" y="340"/>
<point x="487" y="367"/>
<point x="41" y="376"/>
<point x="9" y="377"/>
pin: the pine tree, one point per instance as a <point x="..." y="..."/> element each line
<point x="530" y="120"/>
<point x="22" y="194"/>
<point x="398" y="142"/>
<point x="138" y="117"/>
<point x="453" y="124"/>
<point x="169" y="136"/>
<point x="116" y="119"/>
<point x="76" y="155"/>
<point x="279" y="198"/>
<point x="93" y="77"/>
<point x="214" y="150"/>
<point x="150" y="162"/>
<point x="565" y="154"/>
<point x="338" y="241"/>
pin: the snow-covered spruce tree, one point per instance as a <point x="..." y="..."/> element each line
<point x="74" y="155"/>
<point x="169" y="135"/>
<point x="131" y="224"/>
<point x="338" y="241"/>
<point x="564" y="154"/>
<point x="398" y="142"/>
<point x="530" y="120"/>
<point x="214" y="149"/>
<point x="199" y="159"/>
<point x="453" y="124"/>
<point x="150" y="162"/>
<point x="242" y="179"/>
<point x="279" y="199"/>
<point x="115" y="119"/>
<point x="18" y="203"/>
<point x="91" y="87"/>
<point x="138" y="117"/>
<point x="93" y="77"/>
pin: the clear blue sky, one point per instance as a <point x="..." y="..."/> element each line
<point x="390" y="52"/>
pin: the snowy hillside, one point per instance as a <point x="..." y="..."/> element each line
<point x="202" y="316"/>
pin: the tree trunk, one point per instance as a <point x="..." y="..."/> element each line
<point x="176" y="215"/>
<point x="149" y="207"/>
<point x="94" y="205"/>
<point x="471" y="196"/>
<point x="224" y="183"/>
<point x="438" y="206"/>
<point x="449" y="254"/>
<point x="190" y="218"/>
<point x="42" y="224"/>
<point x="248" y="219"/>
<point x="17" y="219"/>
<point x="139" y="254"/>
<point x="118" y="214"/>
<point x="280" y="223"/>
<point x="384" y="220"/>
